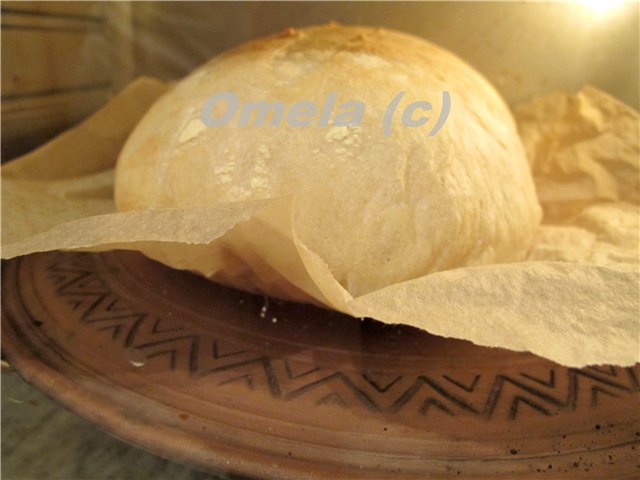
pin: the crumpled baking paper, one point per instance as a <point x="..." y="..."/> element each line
<point x="575" y="300"/>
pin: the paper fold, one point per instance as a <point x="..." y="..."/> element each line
<point x="574" y="301"/>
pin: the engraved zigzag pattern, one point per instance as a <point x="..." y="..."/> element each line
<point x="95" y="304"/>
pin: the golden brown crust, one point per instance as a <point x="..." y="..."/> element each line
<point x="332" y="36"/>
<point x="377" y="209"/>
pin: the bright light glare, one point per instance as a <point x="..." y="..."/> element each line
<point x="601" y="6"/>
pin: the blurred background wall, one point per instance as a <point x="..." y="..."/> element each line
<point x="62" y="60"/>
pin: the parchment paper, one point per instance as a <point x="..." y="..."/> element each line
<point x="575" y="301"/>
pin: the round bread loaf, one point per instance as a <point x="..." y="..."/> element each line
<point x="378" y="209"/>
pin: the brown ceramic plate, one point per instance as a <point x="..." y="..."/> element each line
<point x="205" y="375"/>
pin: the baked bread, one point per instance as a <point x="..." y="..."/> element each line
<point x="377" y="209"/>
